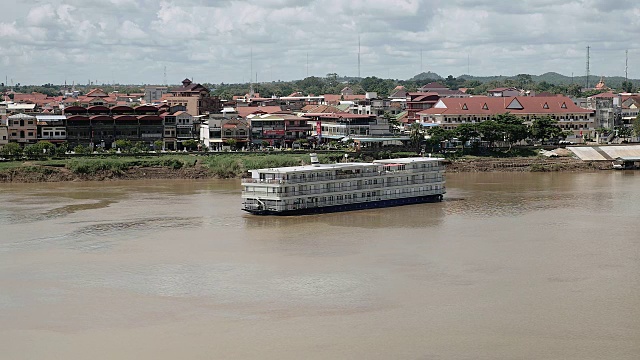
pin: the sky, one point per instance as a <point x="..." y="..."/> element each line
<point x="214" y="41"/>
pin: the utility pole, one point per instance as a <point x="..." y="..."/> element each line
<point x="307" y="64"/>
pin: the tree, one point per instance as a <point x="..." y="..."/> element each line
<point x="62" y="149"/>
<point x="524" y="80"/>
<point x="232" y="143"/>
<point x="545" y="128"/>
<point x="624" y="132"/>
<point x="636" y="125"/>
<point x="39" y="148"/>
<point x="140" y="147"/>
<point x="81" y="149"/>
<point x="157" y="145"/>
<point x="416" y="135"/>
<point x="512" y="128"/>
<point x="627" y="86"/>
<point x="436" y="136"/>
<point x="11" y="149"/>
<point x="466" y="132"/>
<point x="190" y="144"/>
<point x="394" y="124"/>
<point x="123" y="144"/>
<point x="490" y="131"/>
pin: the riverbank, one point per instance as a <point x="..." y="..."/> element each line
<point x="236" y="166"/>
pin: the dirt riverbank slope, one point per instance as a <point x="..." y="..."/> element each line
<point x="30" y="173"/>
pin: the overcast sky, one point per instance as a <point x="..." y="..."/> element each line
<point x="132" y="41"/>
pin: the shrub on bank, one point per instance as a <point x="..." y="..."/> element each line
<point x="119" y="165"/>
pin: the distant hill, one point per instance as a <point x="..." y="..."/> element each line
<point x="426" y="76"/>
<point x="553" y="78"/>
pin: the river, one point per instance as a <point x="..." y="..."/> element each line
<point x="510" y="266"/>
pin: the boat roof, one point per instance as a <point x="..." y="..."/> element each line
<point x="406" y="160"/>
<point x="347" y="165"/>
<point x="287" y="169"/>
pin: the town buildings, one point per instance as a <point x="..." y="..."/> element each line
<point x="452" y="112"/>
<point x="22" y="128"/>
<point x="195" y="98"/>
<point x="188" y="112"/>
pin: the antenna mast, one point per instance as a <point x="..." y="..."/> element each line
<point x="358" y="56"/>
<point x="165" y="75"/>
<point x="588" y="47"/>
<point x="626" y="66"/>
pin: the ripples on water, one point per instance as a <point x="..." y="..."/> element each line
<point x="102" y="236"/>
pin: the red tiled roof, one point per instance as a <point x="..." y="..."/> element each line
<point x="499" y="105"/>
<point x="605" y="95"/>
<point x="93" y="92"/>
<point x="19" y="97"/>
<point x="334" y="99"/>
<point x="322" y="109"/>
<point x="244" y="111"/>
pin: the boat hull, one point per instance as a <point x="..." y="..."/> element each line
<point x="350" y="207"/>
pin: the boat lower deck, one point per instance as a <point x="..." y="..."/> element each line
<point x="349" y="207"/>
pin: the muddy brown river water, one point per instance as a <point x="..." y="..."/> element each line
<point x="510" y="266"/>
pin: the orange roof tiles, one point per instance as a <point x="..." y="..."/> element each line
<point x="499" y="105"/>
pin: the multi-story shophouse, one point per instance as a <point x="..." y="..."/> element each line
<point x="52" y="128"/>
<point x="607" y="108"/>
<point x="22" y="128"/>
<point x="337" y="126"/>
<point x="195" y="98"/>
<point x="185" y="127"/>
<point x="373" y="105"/>
<point x="279" y="129"/>
<point x="169" y="139"/>
<point x="216" y="131"/>
<point x="4" y="133"/>
<point x="100" y="125"/>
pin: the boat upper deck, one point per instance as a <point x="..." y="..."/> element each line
<point x="320" y="172"/>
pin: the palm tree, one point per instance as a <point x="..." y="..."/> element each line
<point x="416" y="134"/>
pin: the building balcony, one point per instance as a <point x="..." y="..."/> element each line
<point x="148" y="136"/>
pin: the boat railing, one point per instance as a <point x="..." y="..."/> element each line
<point x="343" y="189"/>
<point x="311" y="179"/>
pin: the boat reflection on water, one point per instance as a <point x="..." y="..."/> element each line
<point x="406" y="216"/>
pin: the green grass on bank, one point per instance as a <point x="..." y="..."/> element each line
<point x="6" y="165"/>
<point x="91" y="165"/>
<point x="120" y="164"/>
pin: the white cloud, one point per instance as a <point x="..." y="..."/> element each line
<point x="132" y="40"/>
<point x="131" y="31"/>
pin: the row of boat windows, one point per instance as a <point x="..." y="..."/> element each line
<point x="363" y="196"/>
<point x="329" y="174"/>
<point x="390" y="181"/>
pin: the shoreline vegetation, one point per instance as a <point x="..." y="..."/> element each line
<point x="235" y="165"/>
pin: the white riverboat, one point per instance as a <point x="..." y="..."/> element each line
<point x="319" y="188"/>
